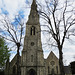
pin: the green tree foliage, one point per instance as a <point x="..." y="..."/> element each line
<point x="73" y="67"/>
<point x="4" y="52"/>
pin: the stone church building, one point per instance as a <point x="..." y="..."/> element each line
<point x="32" y="61"/>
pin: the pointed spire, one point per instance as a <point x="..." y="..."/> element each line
<point x="33" y="17"/>
<point x="34" y="1"/>
<point x="34" y="6"/>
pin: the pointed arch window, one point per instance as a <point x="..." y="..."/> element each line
<point x="14" y="70"/>
<point x="57" y="69"/>
<point x="52" y="72"/>
<point x="48" y="70"/>
<point x="31" y="58"/>
<point x="32" y="30"/>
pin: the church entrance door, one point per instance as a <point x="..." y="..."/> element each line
<point x="32" y="72"/>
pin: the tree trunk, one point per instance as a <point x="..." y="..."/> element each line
<point x="61" y="61"/>
<point x="18" y="60"/>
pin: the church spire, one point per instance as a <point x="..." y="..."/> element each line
<point x="34" y="6"/>
<point x="34" y="2"/>
<point x="33" y="17"/>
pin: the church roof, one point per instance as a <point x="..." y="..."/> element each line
<point x="51" y="55"/>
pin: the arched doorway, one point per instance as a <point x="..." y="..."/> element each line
<point x="31" y="72"/>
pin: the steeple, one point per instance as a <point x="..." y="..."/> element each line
<point x="34" y="6"/>
<point x="33" y="17"/>
<point x="32" y="54"/>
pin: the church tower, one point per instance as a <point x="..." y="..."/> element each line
<point x="32" y="60"/>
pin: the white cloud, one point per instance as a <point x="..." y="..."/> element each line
<point x="12" y="6"/>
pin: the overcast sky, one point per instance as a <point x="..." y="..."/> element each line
<point x="13" y="7"/>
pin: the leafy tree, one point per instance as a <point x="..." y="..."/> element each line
<point x="4" y="52"/>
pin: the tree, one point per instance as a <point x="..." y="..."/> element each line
<point x="73" y="67"/>
<point x="59" y="22"/>
<point x="4" y="53"/>
<point x="12" y="30"/>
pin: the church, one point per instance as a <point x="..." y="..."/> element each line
<point x="32" y="61"/>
